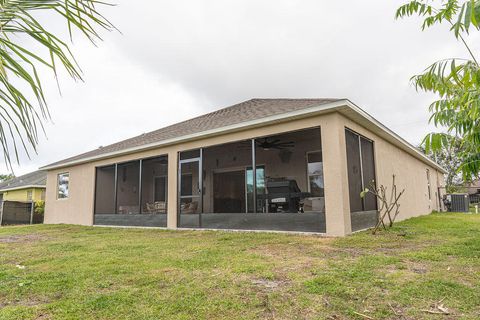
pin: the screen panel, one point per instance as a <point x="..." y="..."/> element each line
<point x="368" y="168"/>
<point x="105" y="190"/>
<point x="354" y="171"/>
<point x="128" y="175"/>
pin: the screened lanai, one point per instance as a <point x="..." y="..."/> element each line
<point x="132" y="193"/>
<point x="216" y="184"/>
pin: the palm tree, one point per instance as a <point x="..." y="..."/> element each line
<point x="23" y="111"/>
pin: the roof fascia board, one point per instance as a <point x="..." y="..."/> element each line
<point x="23" y="187"/>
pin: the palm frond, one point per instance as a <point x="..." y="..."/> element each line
<point x="21" y="117"/>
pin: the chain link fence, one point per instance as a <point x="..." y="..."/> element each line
<point x="17" y="212"/>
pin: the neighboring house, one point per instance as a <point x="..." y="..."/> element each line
<point x="29" y="187"/>
<point x="263" y="164"/>
<point x="474" y="186"/>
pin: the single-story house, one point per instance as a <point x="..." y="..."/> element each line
<point x="25" y="188"/>
<point x="263" y="164"/>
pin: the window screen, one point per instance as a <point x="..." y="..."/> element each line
<point x="128" y="187"/>
<point x="105" y="190"/>
<point x="368" y="170"/>
<point x="361" y="171"/>
<point x="354" y="171"/>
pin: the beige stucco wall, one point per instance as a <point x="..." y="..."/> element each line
<point x="78" y="208"/>
<point x="411" y="175"/>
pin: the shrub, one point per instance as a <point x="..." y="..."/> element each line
<point x="39" y="207"/>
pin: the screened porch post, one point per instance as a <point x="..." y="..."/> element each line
<point x="337" y="203"/>
<point x="140" y="186"/>
<point x="172" y="186"/>
<point x="254" y="178"/>
<point x="116" y="189"/>
<point x="200" y="186"/>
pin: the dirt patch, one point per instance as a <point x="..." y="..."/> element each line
<point x="29" y="302"/>
<point x="401" y="246"/>
<point x="21" y="238"/>
<point x="416" y="267"/>
<point x="270" y="285"/>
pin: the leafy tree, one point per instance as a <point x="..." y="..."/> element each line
<point x="456" y="81"/>
<point x="5" y="177"/>
<point x="23" y="107"/>
<point x="448" y="157"/>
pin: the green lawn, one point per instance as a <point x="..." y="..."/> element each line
<point x="73" y="272"/>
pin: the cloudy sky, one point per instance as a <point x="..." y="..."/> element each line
<point x="178" y="59"/>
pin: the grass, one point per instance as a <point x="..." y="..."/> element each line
<point x="74" y="272"/>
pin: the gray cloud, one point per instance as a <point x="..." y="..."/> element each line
<point x="177" y="59"/>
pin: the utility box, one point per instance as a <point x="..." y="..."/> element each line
<point x="457" y="202"/>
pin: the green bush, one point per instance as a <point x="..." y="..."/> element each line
<point x="39" y="207"/>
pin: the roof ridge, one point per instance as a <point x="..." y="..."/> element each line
<point x="232" y="107"/>
<point x="31" y="178"/>
<point x="178" y="123"/>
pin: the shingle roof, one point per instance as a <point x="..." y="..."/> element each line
<point x="36" y="178"/>
<point x="242" y="112"/>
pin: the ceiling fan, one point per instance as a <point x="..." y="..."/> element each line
<point x="267" y="144"/>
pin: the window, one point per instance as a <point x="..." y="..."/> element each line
<point x="315" y="174"/>
<point x="62" y="185"/>
<point x="428" y="185"/>
<point x="29" y="195"/>
<point x="42" y="195"/>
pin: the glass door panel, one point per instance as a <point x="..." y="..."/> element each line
<point x="260" y="188"/>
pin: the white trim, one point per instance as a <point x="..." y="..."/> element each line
<point x="22" y="187"/>
<point x="332" y="106"/>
